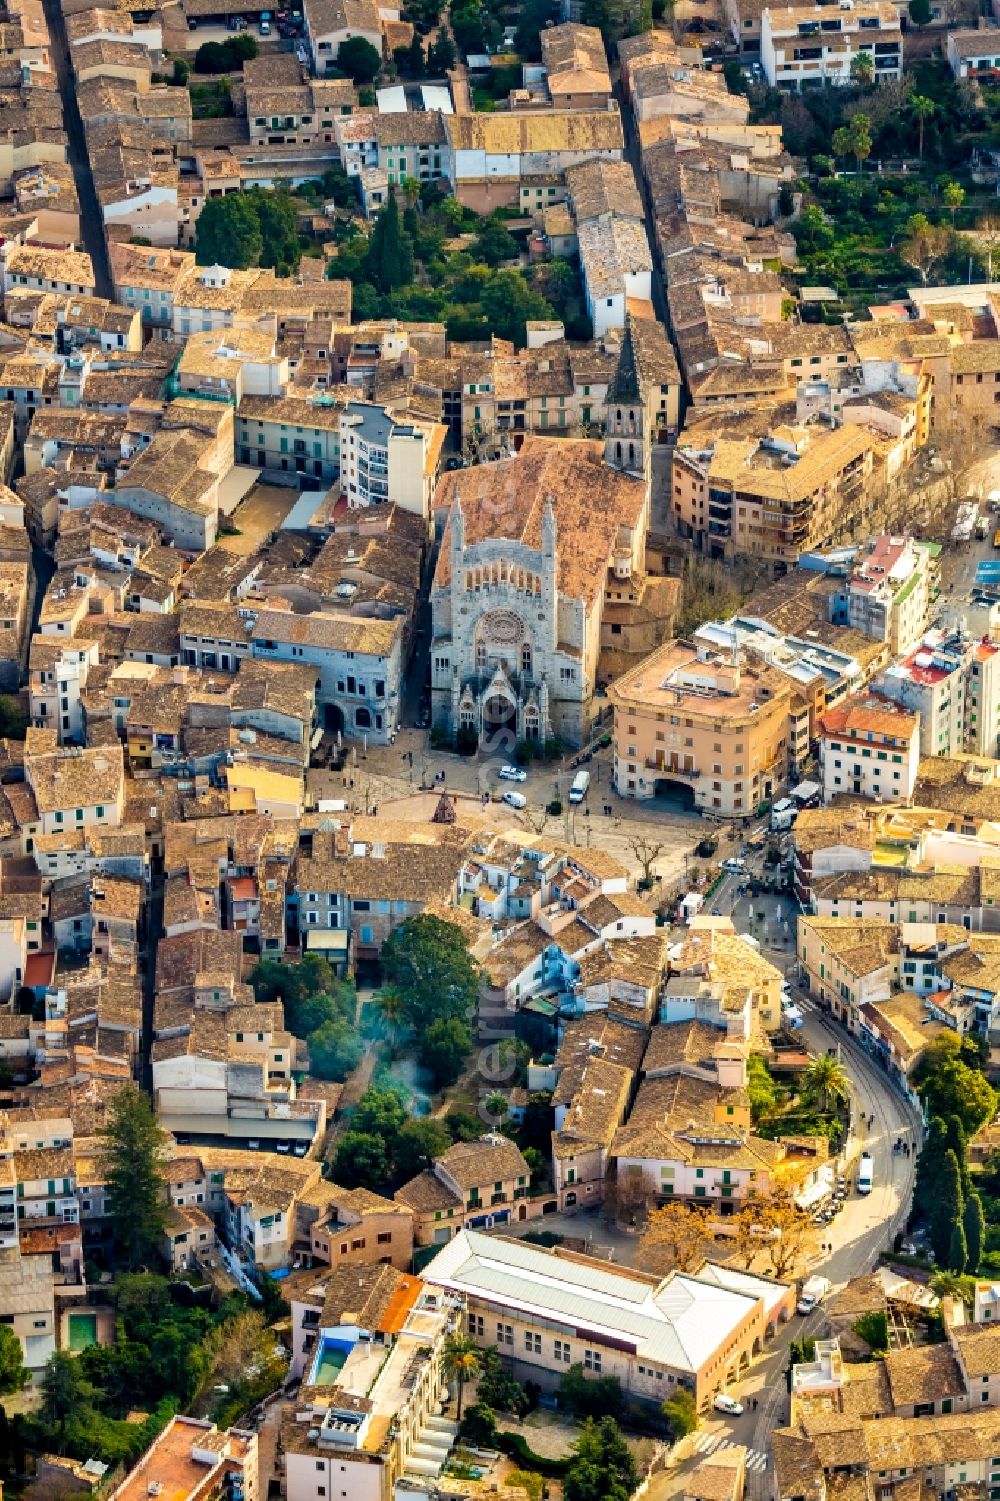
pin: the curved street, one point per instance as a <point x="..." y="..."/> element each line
<point x="864" y="1228"/>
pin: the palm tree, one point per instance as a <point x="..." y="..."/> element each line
<point x="923" y="108"/>
<point x="461" y="1360"/>
<point x="389" y="1007"/>
<point x="863" y="69"/>
<point x="826" y="1081"/>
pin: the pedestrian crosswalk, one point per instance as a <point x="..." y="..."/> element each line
<point x="710" y="1443"/>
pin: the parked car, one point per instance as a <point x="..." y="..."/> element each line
<point x="512" y="774"/>
<point x="515" y="799"/>
<point x="734" y="863"/>
<point x="725" y="1403"/>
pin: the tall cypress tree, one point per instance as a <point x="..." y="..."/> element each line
<point x="974" y="1222"/>
<point x="958" y="1141"/>
<point x="925" y="1188"/>
<point x="948" y="1208"/>
<point x="390" y="257"/>
<point x="958" y="1255"/>
<point x="131" y="1151"/>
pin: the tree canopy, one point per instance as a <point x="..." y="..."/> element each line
<point x="426" y="960"/>
<point x="254" y="228"/>
<point x="602" y="1467"/>
<point x="950" y="1086"/>
<point x="359" y="59"/>
<point x="131" y="1151"/>
<point x="12" y="1371"/>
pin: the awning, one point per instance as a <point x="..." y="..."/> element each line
<point x="540" y="1005"/>
<point x="328" y="940"/>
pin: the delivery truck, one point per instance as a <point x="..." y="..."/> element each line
<point x="812" y="1293"/>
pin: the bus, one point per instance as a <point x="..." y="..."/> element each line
<point x="865" y="1173"/>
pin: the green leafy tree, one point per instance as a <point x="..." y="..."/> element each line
<point x="415" y="1146"/>
<point x="416" y="62"/>
<point x="278" y="220"/>
<point x="427" y="961"/>
<point x="974" y="1223"/>
<point x="229" y="233"/>
<point x="508" y="303"/>
<point x="928" y="1175"/>
<point x="497" y="1387"/>
<point x="242" y="48"/>
<point x="952" y="196"/>
<point x="761" y="1088"/>
<point x="339" y="188"/>
<point x="494" y="242"/>
<point x="949" y="1086"/>
<point x="533" y="17"/>
<point x="920" y="12"/>
<point x="681" y="1413"/>
<point x="335" y="1050"/>
<point x="361" y="1161"/>
<point x="958" y="1253"/>
<point x="131" y="1161"/>
<point x="947" y="1209"/>
<point x="359" y="59"/>
<point x="441" y="54"/>
<point x="461" y="1363"/>
<point x="812" y="230"/>
<point x="958" y="1142"/>
<point x="590" y="1397"/>
<point x="444" y="1047"/>
<point x="13" y="718"/>
<point x="602" y="1468"/>
<point x="65" y="1394"/>
<point x="212" y="57"/>
<point x="873" y="1327"/>
<point x="380" y="1111"/>
<point x="389" y="263"/>
<point x="12" y="1372"/>
<point x="920" y="107"/>
<point x="479" y="1426"/>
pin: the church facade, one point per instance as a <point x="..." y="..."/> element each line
<point x="517" y="600"/>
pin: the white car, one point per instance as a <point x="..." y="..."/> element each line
<point x="792" y="1017"/>
<point x="725" y="1403"/>
<point x="734" y="863"/>
<point x="515" y="799"/>
<point x="512" y="774"/>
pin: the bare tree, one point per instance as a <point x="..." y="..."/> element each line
<point x="987" y="233"/>
<point x="925" y="244"/>
<point x="676" y="1237"/>
<point x="626" y="1195"/>
<point x="647" y="852"/>
<point x="786" y="1228"/>
<point x="536" y="816"/>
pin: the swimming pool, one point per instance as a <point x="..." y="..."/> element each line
<point x="327" y="1365"/>
<point x="82" y="1330"/>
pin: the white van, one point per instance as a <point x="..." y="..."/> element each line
<point x="515" y="799"/>
<point x="865" y="1173"/>
<point x="581" y="783"/>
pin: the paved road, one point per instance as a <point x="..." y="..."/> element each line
<point x="91" y="221"/>
<point x="864" y="1228"/>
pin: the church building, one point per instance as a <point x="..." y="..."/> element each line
<point x="530" y="547"/>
